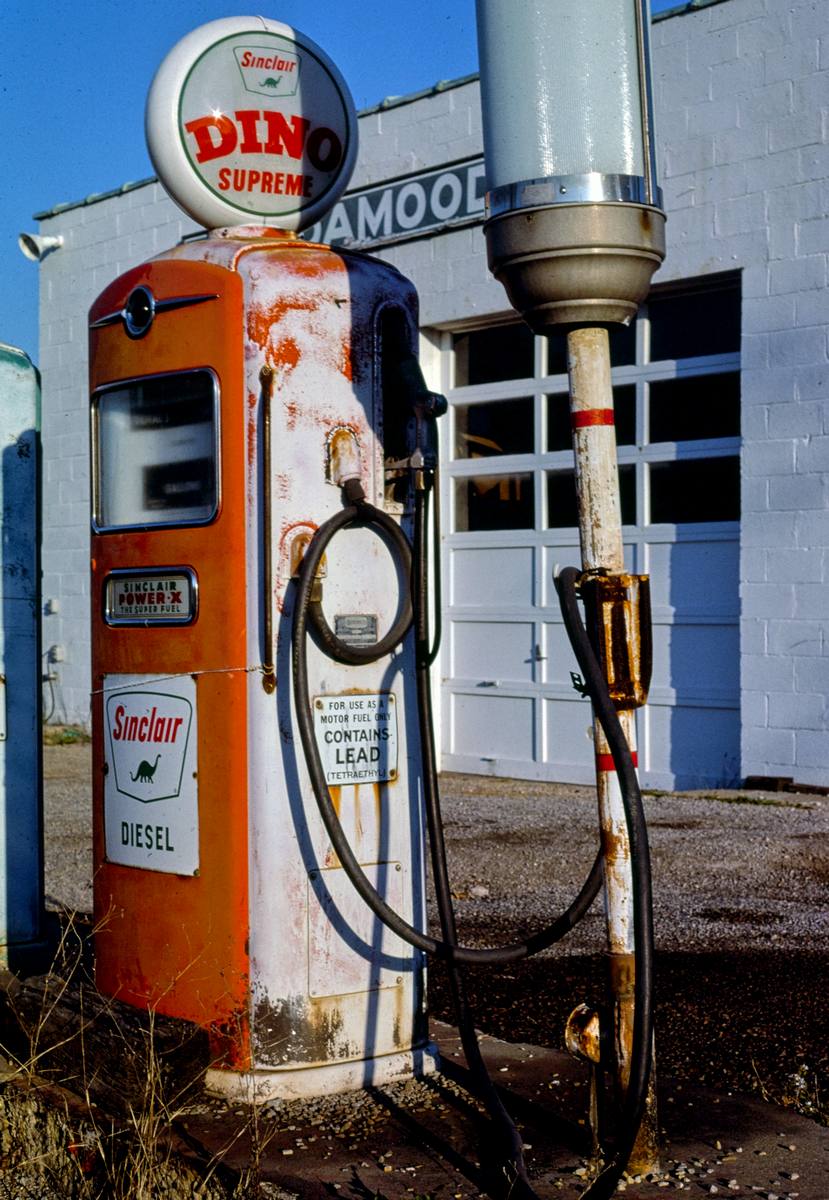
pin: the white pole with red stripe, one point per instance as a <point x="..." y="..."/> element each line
<point x="602" y="549"/>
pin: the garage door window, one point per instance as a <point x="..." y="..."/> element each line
<point x="676" y="391"/>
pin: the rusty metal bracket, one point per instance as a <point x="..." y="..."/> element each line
<point x="618" y="612"/>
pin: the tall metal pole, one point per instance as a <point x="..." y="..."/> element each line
<point x="602" y="550"/>
<point x="575" y="231"/>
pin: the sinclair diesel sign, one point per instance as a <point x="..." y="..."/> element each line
<point x="249" y="122"/>
<point x="150" y="783"/>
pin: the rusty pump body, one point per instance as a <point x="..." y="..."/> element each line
<point x="237" y="384"/>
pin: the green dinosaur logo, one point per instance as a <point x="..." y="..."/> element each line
<point x="145" y="772"/>
<point x="270" y="82"/>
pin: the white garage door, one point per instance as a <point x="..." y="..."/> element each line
<point x="508" y="703"/>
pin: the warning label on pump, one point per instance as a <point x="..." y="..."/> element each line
<point x="357" y="737"/>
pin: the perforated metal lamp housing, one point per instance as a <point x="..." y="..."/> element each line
<point x="574" y="226"/>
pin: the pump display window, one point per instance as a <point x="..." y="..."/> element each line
<point x="155" y="451"/>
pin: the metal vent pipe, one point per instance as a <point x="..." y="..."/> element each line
<point x="574" y="223"/>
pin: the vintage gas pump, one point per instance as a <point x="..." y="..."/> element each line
<point x="237" y="387"/>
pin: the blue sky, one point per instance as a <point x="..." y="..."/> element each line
<point x="74" y="78"/>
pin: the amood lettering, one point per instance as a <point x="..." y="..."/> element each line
<point x="410" y="206"/>
<point x="149" y="727"/>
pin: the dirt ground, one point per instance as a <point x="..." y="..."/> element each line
<point x="742" y="924"/>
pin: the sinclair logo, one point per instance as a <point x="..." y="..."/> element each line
<point x="148" y="737"/>
<point x="268" y="72"/>
<point x="265" y="129"/>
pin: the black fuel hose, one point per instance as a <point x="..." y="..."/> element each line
<point x="512" y="1155"/>
<point x="359" y="512"/>
<point x="305" y="611"/>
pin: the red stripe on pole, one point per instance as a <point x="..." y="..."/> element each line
<point x="592" y="416"/>
<point x="604" y="762"/>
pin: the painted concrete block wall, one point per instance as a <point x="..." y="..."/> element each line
<point x="743" y="107"/>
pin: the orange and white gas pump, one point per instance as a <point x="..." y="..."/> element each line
<point x="237" y="384"/>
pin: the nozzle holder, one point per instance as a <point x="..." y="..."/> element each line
<point x="575" y="264"/>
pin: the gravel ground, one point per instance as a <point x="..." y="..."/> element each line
<point x="742" y="925"/>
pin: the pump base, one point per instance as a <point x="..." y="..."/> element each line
<point x="322" y="1079"/>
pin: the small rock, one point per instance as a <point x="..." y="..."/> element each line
<point x="479" y="891"/>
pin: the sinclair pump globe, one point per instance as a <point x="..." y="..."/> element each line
<point x="249" y="122"/>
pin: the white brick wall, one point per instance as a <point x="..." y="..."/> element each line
<point x="742" y="96"/>
<point x="753" y="164"/>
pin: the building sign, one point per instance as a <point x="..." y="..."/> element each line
<point x="357" y="737"/>
<point x="410" y="206"/>
<point x="150" y="789"/>
<point x="249" y="121"/>
<point x="150" y="597"/>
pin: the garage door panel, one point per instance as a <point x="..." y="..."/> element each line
<point x="491" y="577"/>
<point x="556" y="558"/>
<point x="489" y="727"/>
<point x="560" y="659"/>
<point x="695" y="577"/>
<point x="501" y="651"/>
<point x="568" y="728"/>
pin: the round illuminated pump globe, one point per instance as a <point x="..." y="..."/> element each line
<point x="249" y="122"/>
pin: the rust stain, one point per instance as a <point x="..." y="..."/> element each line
<point x="282" y="485"/>
<point x="262" y="318"/>
<point x="615" y="847"/>
<point x="345" y="363"/>
<point x="229" y="1041"/>
<point x="287" y="354"/>
<point x="252" y="431"/>
<point x="335" y="791"/>
<point x="316" y="263"/>
<point x="291" y="413"/>
<point x="300" y="1029"/>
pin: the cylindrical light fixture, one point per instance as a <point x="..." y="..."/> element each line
<point x="574" y="223"/>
